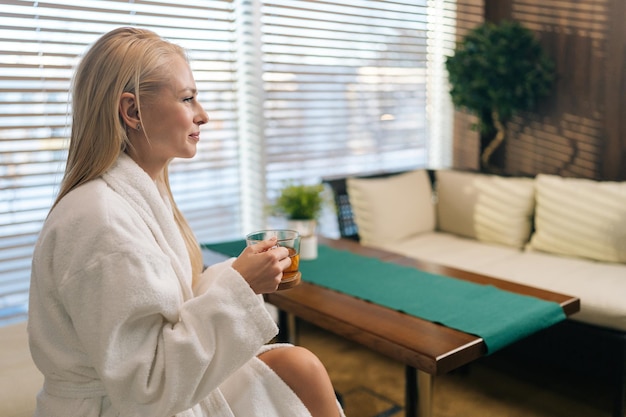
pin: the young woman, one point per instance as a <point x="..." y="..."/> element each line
<point x="123" y="320"/>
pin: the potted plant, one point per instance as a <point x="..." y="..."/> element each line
<point x="300" y="202"/>
<point x="301" y="205"/>
<point x="497" y="70"/>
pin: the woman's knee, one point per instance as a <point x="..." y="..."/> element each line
<point x="302" y="370"/>
<point x="289" y="361"/>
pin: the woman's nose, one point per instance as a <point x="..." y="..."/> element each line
<point x="202" y="117"/>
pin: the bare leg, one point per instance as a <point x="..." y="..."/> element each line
<point x="307" y="377"/>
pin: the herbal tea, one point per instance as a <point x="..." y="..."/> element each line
<point x="292" y="270"/>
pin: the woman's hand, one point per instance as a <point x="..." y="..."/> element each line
<point x="262" y="265"/>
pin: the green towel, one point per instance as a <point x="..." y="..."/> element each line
<point x="499" y="317"/>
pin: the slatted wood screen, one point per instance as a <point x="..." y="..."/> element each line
<point x="466" y="141"/>
<point x="579" y="130"/>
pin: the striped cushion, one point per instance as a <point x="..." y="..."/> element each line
<point x="485" y="207"/>
<point x="504" y="210"/>
<point x="580" y="217"/>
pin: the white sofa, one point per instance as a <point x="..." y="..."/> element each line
<point x="566" y="235"/>
<point x="561" y="234"/>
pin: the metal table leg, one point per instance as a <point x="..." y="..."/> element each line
<point x="288" y="332"/>
<point x="419" y="391"/>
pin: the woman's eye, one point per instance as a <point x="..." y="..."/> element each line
<point x="188" y="99"/>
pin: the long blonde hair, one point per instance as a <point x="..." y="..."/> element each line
<point x="124" y="60"/>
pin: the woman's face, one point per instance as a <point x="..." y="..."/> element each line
<point x="170" y="121"/>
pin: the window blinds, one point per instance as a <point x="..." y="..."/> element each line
<point x="295" y="90"/>
<point x="40" y="44"/>
<point x="345" y="85"/>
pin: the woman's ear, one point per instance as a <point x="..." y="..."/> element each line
<point x="129" y="111"/>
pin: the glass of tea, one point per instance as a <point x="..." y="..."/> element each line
<point x="289" y="239"/>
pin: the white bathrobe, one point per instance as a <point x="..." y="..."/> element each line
<point x="116" y="327"/>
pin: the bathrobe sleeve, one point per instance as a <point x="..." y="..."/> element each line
<point x="154" y="353"/>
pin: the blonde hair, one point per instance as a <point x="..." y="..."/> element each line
<point x="124" y="60"/>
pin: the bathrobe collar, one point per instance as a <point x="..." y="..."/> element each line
<point x="142" y="193"/>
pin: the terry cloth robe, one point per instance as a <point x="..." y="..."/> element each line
<point x="116" y="327"/>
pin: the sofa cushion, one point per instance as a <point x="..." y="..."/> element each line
<point x="580" y="217"/>
<point x="456" y="201"/>
<point x="504" y="210"/>
<point x="565" y="275"/>
<point x="391" y="208"/>
<point x="489" y="208"/>
<point x="599" y="285"/>
<point x="451" y="250"/>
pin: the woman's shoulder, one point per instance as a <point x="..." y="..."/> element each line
<point x="93" y="210"/>
<point x="91" y="200"/>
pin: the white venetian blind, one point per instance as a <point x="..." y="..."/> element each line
<point x="347" y="86"/>
<point x="40" y="43"/>
<point x="441" y="38"/>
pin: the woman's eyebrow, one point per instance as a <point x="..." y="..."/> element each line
<point x="189" y="89"/>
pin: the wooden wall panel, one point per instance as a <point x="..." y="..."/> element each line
<point x="580" y="130"/>
<point x="564" y="135"/>
<point x="614" y="160"/>
<point x="466" y="142"/>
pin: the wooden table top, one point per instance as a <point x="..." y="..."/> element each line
<point x="424" y="345"/>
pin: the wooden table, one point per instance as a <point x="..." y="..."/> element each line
<point x="427" y="349"/>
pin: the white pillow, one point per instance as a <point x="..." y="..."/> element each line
<point x="486" y="207"/>
<point x="391" y="208"/>
<point x="580" y="217"/>
<point x="504" y="210"/>
<point x="456" y="200"/>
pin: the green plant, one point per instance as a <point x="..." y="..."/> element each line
<point x="497" y="70"/>
<point x="300" y="202"/>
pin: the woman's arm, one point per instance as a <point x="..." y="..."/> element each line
<point x="155" y="354"/>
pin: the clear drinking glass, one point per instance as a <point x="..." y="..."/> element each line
<point x="289" y="239"/>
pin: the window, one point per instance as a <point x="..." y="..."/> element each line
<point x="40" y="45"/>
<point x="345" y="87"/>
<point x="295" y="90"/>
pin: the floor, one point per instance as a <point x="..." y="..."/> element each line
<point x="373" y="386"/>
